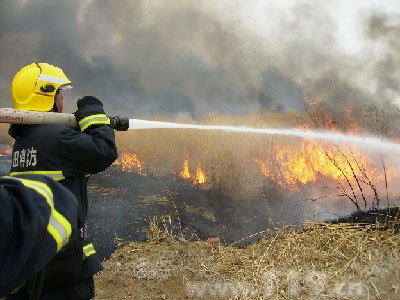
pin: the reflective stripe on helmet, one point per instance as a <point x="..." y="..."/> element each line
<point x="53" y="79"/>
<point x="58" y="226"/>
<point x="93" y="120"/>
<point x="65" y="87"/>
<point x="55" y="175"/>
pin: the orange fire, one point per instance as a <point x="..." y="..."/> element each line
<point x="200" y="177"/>
<point x="308" y="162"/>
<point x="263" y="167"/>
<point x="330" y="123"/>
<point x="354" y="127"/>
<point x="185" y="174"/>
<point x="5" y="150"/>
<point x="130" y="161"/>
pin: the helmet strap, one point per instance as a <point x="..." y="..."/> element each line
<point x="55" y="109"/>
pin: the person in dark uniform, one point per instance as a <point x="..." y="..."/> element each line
<point x="37" y="218"/>
<point x="68" y="156"/>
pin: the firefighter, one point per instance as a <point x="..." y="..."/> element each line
<point x="37" y="218"/>
<point x="68" y="156"/>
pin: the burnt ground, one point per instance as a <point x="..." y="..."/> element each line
<point x="122" y="204"/>
<point x="386" y="218"/>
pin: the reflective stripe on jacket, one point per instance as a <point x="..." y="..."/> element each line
<point x="37" y="217"/>
<point x="56" y="175"/>
<point x="88" y="250"/>
<point x="58" y="226"/>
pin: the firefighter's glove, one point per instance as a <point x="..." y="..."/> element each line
<point x="88" y="100"/>
<point x="90" y="113"/>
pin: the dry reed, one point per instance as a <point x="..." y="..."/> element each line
<point x="322" y="261"/>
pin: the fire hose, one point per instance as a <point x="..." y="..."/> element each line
<point x="27" y="117"/>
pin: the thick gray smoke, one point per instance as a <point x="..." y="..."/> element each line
<point x="190" y="57"/>
<point x="384" y="29"/>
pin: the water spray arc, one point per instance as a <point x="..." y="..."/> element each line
<point x="122" y="123"/>
<point x="373" y="143"/>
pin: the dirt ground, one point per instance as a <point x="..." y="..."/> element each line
<point x="323" y="261"/>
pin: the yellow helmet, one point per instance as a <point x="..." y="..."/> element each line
<point x="34" y="86"/>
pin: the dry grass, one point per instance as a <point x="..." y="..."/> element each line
<point x="322" y="261"/>
<point x="159" y="228"/>
<point x="4" y="137"/>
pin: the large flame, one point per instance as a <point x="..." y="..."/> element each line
<point x="294" y="166"/>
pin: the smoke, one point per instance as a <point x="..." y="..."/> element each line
<point x="184" y="57"/>
<point x="383" y="29"/>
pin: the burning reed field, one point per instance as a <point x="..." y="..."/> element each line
<point x="196" y="214"/>
<point x="329" y="212"/>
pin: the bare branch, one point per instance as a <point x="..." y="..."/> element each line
<point x="354" y="175"/>
<point x="352" y="199"/>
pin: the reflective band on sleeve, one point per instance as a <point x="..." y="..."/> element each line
<point x="55" y="175"/>
<point x="88" y="250"/>
<point x="52" y="79"/>
<point x="93" y="120"/>
<point x="58" y="226"/>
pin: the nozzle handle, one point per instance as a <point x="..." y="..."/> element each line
<point x="119" y="123"/>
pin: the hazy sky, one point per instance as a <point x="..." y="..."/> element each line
<point x="346" y="14"/>
<point x="185" y="58"/>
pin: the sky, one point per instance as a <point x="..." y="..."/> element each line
<point x="346" y="14"/>
<point x="186" y="58"/>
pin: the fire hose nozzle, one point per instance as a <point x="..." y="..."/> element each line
<point x="119" y="123"/>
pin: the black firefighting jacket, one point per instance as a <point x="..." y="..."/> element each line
<point x="64" y="154"/>
<point x="68" y="156"/>
<point x="37" y="217"/>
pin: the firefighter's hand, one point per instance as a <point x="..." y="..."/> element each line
<point x="90" y="113"/>
<point x="88" y="100"/>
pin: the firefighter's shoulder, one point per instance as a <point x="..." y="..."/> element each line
<point x="37" y="218"/>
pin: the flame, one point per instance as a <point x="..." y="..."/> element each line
<point x="354" y="127"/>
<point x="294" y="166"/>
<point x="263" y="167"/>
<point x="200" y="177"/>
<point x="185" y="174"/>
<point x="330" y="124"/>
<point x="5" y="150"/>
<point x="129" y="161"/>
